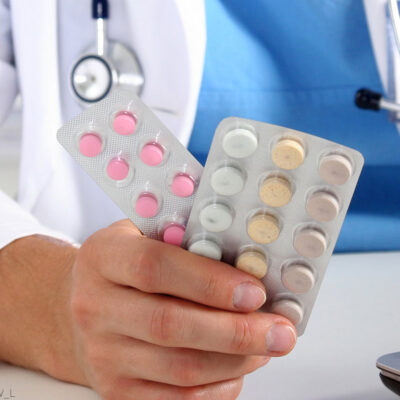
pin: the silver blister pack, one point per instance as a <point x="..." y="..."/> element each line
<point x="271" y="202"/>
<point x="137" y="161"/>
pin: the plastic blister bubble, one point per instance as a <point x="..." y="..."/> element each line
<point x="130" y="154"/>
<point x="287" y="216"/>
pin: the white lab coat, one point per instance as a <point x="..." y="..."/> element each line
<point x="375" y="11"/>
<point x="48" y="198"/>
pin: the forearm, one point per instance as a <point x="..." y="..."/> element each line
<point x="33" y="298"/>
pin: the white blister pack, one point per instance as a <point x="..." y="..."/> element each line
<point x="137" y="161"/>
<point x="271" y="202"/>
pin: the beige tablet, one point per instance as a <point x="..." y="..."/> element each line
<point x="288" y="154"/>
<point x="275" y="191"/>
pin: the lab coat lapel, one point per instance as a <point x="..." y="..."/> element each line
<point x="169" y="38"/>
<point x="35" y="36"/>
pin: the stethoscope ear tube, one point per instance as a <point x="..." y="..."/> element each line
<point x="100" y="14"/>
<point x="99" y="9"/>
<point x="369" y="100"/>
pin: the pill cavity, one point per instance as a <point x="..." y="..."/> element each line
<point x="322" y="206"/>
<point x="310" y="243"/>
<point x="289" y="309"/>
<point x="298" y="278"/>
<point x="275" y="192"/>
<point x="173" y="234"/>
<point x="182" y="185"/>
<point x="206" y="248"/>
<point x="335" y="169"/>
<point x="216" y="217"/>
<point x="152" y="154"/>
<point x="124" y="123"/>
<point x="252" y="262"/>
<point x="146" y="205"/>
<point x="239" y="143"/>
<point x="263" y="228"/>
<point x="118" y="169"/>
<point x="90" y="144"/>
<point x="288" y="154"/>
<point x="227" y="181"/>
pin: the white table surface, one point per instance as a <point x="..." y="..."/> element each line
<point x="355" y="320"/>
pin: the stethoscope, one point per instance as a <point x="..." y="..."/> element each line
<point x="99" y="70"/>
<point x="368" y="99"/>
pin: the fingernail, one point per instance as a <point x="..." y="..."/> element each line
<point x="248" y="297"/>
<point x="281" y="338"/>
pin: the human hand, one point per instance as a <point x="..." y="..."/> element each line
<point x="151" y="320"/>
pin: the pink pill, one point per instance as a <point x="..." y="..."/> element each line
<point x="118" y="169"/>
<point x="152" y="154"/>
<point x="146" y="205"/>
<point x="90" y="145"/>
<point x="124" y="123"/>
<point x="173" y="234"/>
<point x="182" y="185"/>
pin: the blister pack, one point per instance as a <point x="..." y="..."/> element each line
<point x="137" y="161"/>
<point x="271" y="202"/>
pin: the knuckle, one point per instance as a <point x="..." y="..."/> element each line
<point x="243" y="335"/>
<point x="97" y="358"/>
<point x="147" y="271"/>
<point x="81" y="310"/>
<point x="166" y="323"/>
<point x="211" y="287"/>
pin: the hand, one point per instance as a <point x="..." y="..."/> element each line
<point x="153" y="321"/>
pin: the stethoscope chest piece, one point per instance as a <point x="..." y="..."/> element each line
<point x="106" y="66"/>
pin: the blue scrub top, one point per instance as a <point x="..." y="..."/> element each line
<point x="298" y="64"/>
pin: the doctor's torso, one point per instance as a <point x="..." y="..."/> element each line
<point x="48" y="39"/>
<point x="290" y="63"/>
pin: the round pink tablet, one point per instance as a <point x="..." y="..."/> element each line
<point x="173" y="234"/>
<point x="90" y="145"/>
<point x="146" y="205"/>
<point x="118" y="169"/>
<point x="124" y="123"/>
<point x="152" y="154"/>
<point x="182" y="185"/>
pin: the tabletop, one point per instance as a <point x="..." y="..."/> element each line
<point x="355" y="320"/>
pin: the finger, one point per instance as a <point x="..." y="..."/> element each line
<point x="171" y="322"/>
<point x="156" y="267"/>
<point x="177" y="366"/>
<point x="126" y="225"/>
<point x="140" y="389"/>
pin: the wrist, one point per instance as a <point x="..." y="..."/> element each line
<point x="35" y="328"/>
<point x="61" y="357"/>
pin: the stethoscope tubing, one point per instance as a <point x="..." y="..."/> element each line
<point x="100" y="13"/>
<point x="368" y="99"/>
